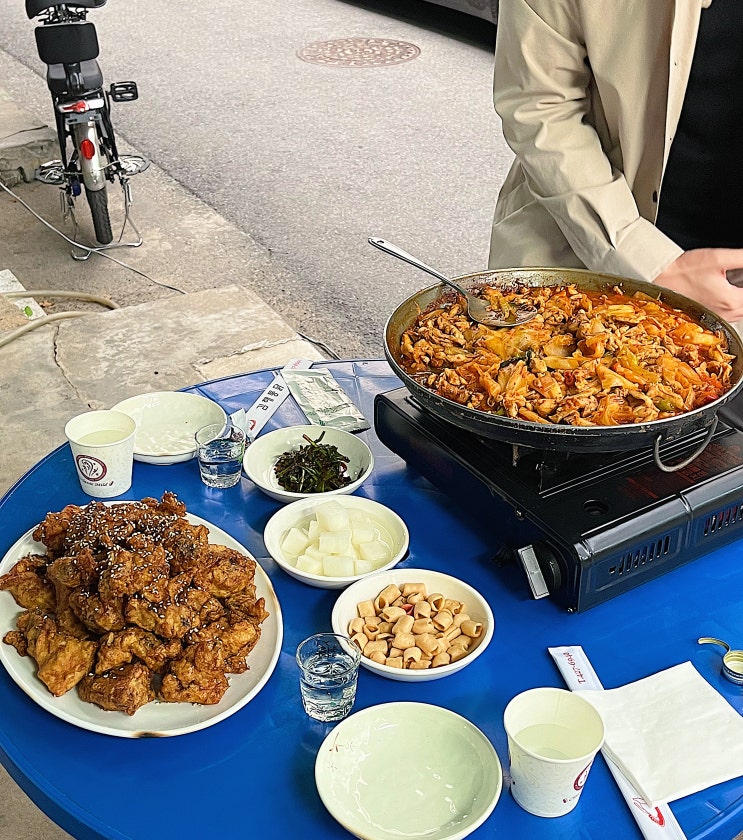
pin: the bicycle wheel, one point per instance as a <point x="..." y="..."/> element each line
<point x="98" y="202"/>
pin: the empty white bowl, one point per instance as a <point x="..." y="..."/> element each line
<point x="390" y="527"/>
<point x="369" y="587"/>
<point x="262" y="454"/>
<point x="408" y="770"/>
<point x="167" y="422"/>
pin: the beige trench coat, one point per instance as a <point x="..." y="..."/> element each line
<point x="590" y="94"/>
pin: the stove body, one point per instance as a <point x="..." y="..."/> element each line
<point x="585" y="528"/>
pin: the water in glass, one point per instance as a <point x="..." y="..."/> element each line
<point x="328" y="685"/>
<point x="329" y="667"/>
<point x="220" y="462"/>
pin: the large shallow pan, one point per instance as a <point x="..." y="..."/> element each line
<point x="558" y="437"/>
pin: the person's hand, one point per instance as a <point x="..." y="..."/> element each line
<point x="701" y="275"/>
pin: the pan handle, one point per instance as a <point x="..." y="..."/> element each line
<point x="681" y="464"/>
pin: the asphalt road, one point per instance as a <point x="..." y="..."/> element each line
<point x="310" y="159"/>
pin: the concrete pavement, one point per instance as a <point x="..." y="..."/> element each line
<point x="178" y="337"/>
<point x="102" y="355"/>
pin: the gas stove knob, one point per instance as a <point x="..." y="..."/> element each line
<point x="542" y="569"/>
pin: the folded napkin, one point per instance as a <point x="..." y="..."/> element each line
<point x="671" y="733"/>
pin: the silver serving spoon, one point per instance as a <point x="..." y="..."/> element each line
<point x="477" y="309"/>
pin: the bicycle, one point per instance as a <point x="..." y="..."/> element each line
<point x="68" y="44"/>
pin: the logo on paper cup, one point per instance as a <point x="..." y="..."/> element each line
<point x="90" y="468"/>
<point x="582" y="776"/>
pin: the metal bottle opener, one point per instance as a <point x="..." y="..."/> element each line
<point x="732" y="660"/>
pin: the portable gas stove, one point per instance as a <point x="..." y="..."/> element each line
<point x="585" y="528"/>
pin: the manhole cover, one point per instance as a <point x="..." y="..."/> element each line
<point x="359" y="52"/>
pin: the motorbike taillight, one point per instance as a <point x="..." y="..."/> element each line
<point x="78" y="107"/>
<point x="87" y="149"/>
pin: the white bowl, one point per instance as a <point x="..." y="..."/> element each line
<point x="299" y="513"/>
<point x="263" y="452"/>
<point x="167" y="422"/>
<point x="408" y="770"/>
<point x="370" y="586"/>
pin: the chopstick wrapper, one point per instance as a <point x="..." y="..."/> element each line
<point x="671" y="733"/>
<point x="657" y="822"/>
<point x="256" y="417"/>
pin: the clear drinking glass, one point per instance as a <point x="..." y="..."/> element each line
<point x="220" y="448"/>
<point x="329" y="669"/>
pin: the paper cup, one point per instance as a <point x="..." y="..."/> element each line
<point x="102" y="444"/>
<point x="553" y="736"/>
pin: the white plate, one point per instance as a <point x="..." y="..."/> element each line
<point x="367" y="588"/>
<point x="408" y="770"/>
<point x="167" y="422"/>
<point x="156" y="718"/>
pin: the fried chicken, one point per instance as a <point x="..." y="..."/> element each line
<point x="127" y="573"/>
<point x="52" y="531"/>
<point x="246" y="605"/>
<point x="131" y="598"/>
<point x="27" y="584"/>
<point x="74" y="570"/>
<point x="237" y="637"/>
<point x="95" y="613"/>
<point x="197" y="676"/>
<point x="224" y="571"/>
<point x="123" y="689"/>
<point x="120" y="648"/>
<point x="186" y="545"/>
<point x="62" y="660"/>
<point x="184" y="608"/>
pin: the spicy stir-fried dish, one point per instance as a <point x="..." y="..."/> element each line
<point x="132" y="603"/>
<point x="589" y="358"/>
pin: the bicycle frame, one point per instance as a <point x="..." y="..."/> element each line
<point x="68" y="44"/>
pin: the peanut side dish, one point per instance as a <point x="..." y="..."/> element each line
<point x="131" y="603"/>
<point x="586" y="359"/>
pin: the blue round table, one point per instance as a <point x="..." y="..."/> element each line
<point x="252" y="775"/>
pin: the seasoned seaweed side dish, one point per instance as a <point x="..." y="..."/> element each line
<point x="314" y="468"/>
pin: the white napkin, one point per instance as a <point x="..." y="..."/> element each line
<point x="671" y="733"/>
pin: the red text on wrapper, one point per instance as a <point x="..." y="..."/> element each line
<point x="655" y="816"/>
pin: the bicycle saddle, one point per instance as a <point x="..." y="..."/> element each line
<point x="36" y="7"/>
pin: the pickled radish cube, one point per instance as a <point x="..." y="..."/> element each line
<point x="351" y="551"/>
<point x="338" y="566"/>
<point x="377" y="552"/>
<point x="313" y="530"/>
<point x="313" y="551"/>
<point x="362" y="533"/>
<point x="311" y="565"/>
<point x="363" y="567"/>
<point x="335" y="542"/>
<point x="332" y="516"/>
<point x="358" y="517"/>
<point x="295" y="541"/>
